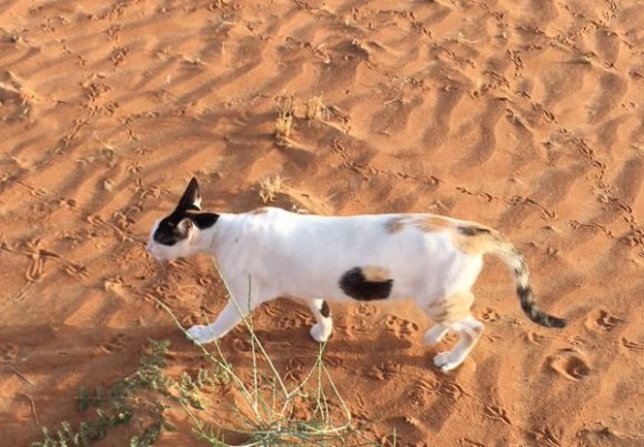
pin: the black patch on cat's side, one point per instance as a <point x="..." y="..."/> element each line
<point x="468" y="230"/>
<point x="354" y="284"/>
<point x="324" y="310"/>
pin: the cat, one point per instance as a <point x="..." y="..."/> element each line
<point x="269" y="253"/>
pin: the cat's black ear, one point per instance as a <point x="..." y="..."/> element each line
<point x="204" y="220"/>
<point x="191" y="199"/>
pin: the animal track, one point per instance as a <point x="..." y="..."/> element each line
<point x="547" y="436"/>
<point x="204" y="281"/>
<point x="399" y="326"/>
<point x="115" y="285"/>
<point x="333" y="360"/>
<point x="292" y="320"/>
<point x="571" y="364"/>
<point x="8" y="352"/>
<point x="492" y="338"/>
<point x="116" y="343"/>
<point x="418" y="392"/>
<point x="634" y="345"/>
<point x="498" y="413"/>
<point x="272" y="311"/>
<point x="387" y="370"/>
<point x="241" y="344"/>
<point x="490" y="316"/>
<point x="535" y="337"/>
<point x="450" y="389"/>
<point x="601" y="320"/>
<point x="77" y="270"/>
<point x="357" y="329"/>
<point x="365" y="310"/>
<point x="294" y="371"/>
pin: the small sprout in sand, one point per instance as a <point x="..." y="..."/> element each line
<point x="269" y="188"/>
<point x="284" y="121"/>
<point x="315" y="108"/>
<point x="193" y="61"/>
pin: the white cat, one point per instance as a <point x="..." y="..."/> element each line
<point x="270" y="253"/>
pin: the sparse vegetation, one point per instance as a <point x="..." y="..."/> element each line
<point x="270" y="409"/>
<point x="315" y="109"/>
<point x="272" y="412"/>
<point x="270" y="187"/>
<point x="118" y="405"/>
<point x="284" y="120"/>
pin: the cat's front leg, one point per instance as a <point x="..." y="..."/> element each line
<point x="230" y="316"/>
<point x="321" y="331"/>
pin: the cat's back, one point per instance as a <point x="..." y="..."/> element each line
<point x="370" y="228"/>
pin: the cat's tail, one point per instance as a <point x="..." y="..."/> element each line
<point x="476" y="239"/>
<point x="513" y="259"/>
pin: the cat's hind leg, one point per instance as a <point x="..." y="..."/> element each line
<point x="469" y="331"/>
<point x="434" y="335"/>
<point x="452" y="313"/>
<point x="321" y="331"/>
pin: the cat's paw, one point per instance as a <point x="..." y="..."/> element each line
<point x="446" y="361"/>
<point x="200" y="334"/>
<point x="435" y="335"/>
<point x="320" y="333"/>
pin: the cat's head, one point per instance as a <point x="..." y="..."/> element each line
<point x="178" y="234"/>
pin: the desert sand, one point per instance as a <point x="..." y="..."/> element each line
<point x="522" y="115"/>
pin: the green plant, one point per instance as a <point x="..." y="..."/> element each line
<point x="118" y="405"/>
<point x="284" y="120"/>
<point x="269" y="416"/>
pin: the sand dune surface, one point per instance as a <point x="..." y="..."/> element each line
<point x="523" y="115"/>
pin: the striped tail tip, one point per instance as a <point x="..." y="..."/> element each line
<point x="550" y="321"/>
<point x="533" y="312"/>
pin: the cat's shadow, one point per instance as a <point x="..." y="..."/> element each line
<point x="364" y="353"/>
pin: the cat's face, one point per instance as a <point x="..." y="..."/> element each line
<point x="177" y="235"/>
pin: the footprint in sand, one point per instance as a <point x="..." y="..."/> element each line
<point x="294" y="371"/>
<point x="8" y="352"/>
<point x="15" y="104"/>
<point x="600" y="320"/>
<point x="535" y="337"/>
<point x="571" y="364"/>
<point x="242" y="344"/>
<point x="291" y="321"/>
<point x="272" y="310"/>
<point x="116" y="285"/>
<point x="116" y="343"/>
<point x="365" y="310"/>
<point x="632" y="344"/>
<point x="400" y="327"/>
<point x="77" y="270"/>
<point x="490" y="315"/>
<point x="385" y="371"/>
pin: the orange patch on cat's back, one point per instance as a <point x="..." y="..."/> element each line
<point x="475" y="239"/>
<point x="432" y="224"/>
<point x="394" y="224"/>
<point x="257" y="211"/>
<point x="375" y="274"/>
